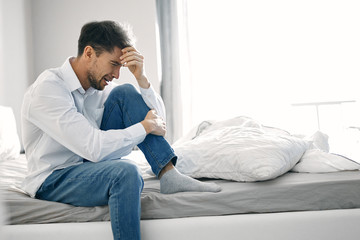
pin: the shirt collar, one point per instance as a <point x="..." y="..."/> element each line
<point x="72" y="81"/>
<point x="70" y="78"/>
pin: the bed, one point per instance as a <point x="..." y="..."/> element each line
<point x="293" y="205"/>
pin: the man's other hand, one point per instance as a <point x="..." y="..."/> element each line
<point x="154" y="124"/>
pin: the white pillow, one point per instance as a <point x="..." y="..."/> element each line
<point x="318" y="161"/>
<point x="245" y="152"/>
<point x="9" y="140"/>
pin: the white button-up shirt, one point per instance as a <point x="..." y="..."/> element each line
<point x="60" y="125"/>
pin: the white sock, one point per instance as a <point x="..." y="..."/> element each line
<point x="173" y="181"/>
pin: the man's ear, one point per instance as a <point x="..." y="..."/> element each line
<point x="89" y="52"/>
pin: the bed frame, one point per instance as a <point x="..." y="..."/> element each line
<point x="319" y="225"/>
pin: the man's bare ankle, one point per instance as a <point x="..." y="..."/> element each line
<point x="167" y="167"/>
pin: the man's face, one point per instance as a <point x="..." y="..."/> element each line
<point x="104" y="68"/>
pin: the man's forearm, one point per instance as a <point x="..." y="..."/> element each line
<point x="143" y="82"/>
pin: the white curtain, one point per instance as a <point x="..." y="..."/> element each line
<point x="175" y="77"/>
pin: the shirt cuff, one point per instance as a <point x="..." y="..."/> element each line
<point x="147" y="91"/>
<point x="137" y="132"/>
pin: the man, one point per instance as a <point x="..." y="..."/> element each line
<point x="77" y="125"/>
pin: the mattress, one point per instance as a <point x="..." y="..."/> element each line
<point x="290" y="192"/>
<point x="319" y="225"/>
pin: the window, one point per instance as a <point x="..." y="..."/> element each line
<point x="257" y="58"/>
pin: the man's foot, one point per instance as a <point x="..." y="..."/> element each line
<point x="173" y="181"/>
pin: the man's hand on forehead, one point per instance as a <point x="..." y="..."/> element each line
<point x="130" y="54"/>
<point x="134" y="61"/>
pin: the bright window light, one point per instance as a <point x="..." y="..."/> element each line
<point x="257" y="58"/>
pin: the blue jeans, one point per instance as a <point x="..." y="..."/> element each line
<point x="117" y="183"/>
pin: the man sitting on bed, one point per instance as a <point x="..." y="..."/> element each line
<point x="77" y="125"/>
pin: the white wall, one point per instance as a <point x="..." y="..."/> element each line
<point x="40" y="34"/>
<point x="15" y="57"/>
<point x="2" y="98"/>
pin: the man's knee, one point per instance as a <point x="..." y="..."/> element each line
<point x="124" y="90"/>
<point x="128" y="175"/>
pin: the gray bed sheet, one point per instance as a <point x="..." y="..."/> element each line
<point x="290" y="192"/>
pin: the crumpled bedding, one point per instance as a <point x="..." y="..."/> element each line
<point x="293" y="191"/>
<point x="242" y="149"/>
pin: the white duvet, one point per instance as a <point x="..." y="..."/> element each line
<point x="241" y="149"/>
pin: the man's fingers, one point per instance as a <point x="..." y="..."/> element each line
<point x="132" y="60"/>
<point x="129" y="49"/>
<point x="130" y="52"/>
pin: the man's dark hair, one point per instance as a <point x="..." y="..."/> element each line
<point x="104" y="36"/>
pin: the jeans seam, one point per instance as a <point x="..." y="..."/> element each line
<point x="158" y="163"/>
<point x="108" y="113"/>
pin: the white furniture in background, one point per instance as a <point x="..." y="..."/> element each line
<point x="318" y="104"/>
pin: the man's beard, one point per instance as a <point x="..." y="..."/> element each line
<point x="93" y="82"/>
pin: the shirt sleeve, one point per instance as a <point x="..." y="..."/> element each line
<point x="53" y="110"/>
<point x="154" y="101"/>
